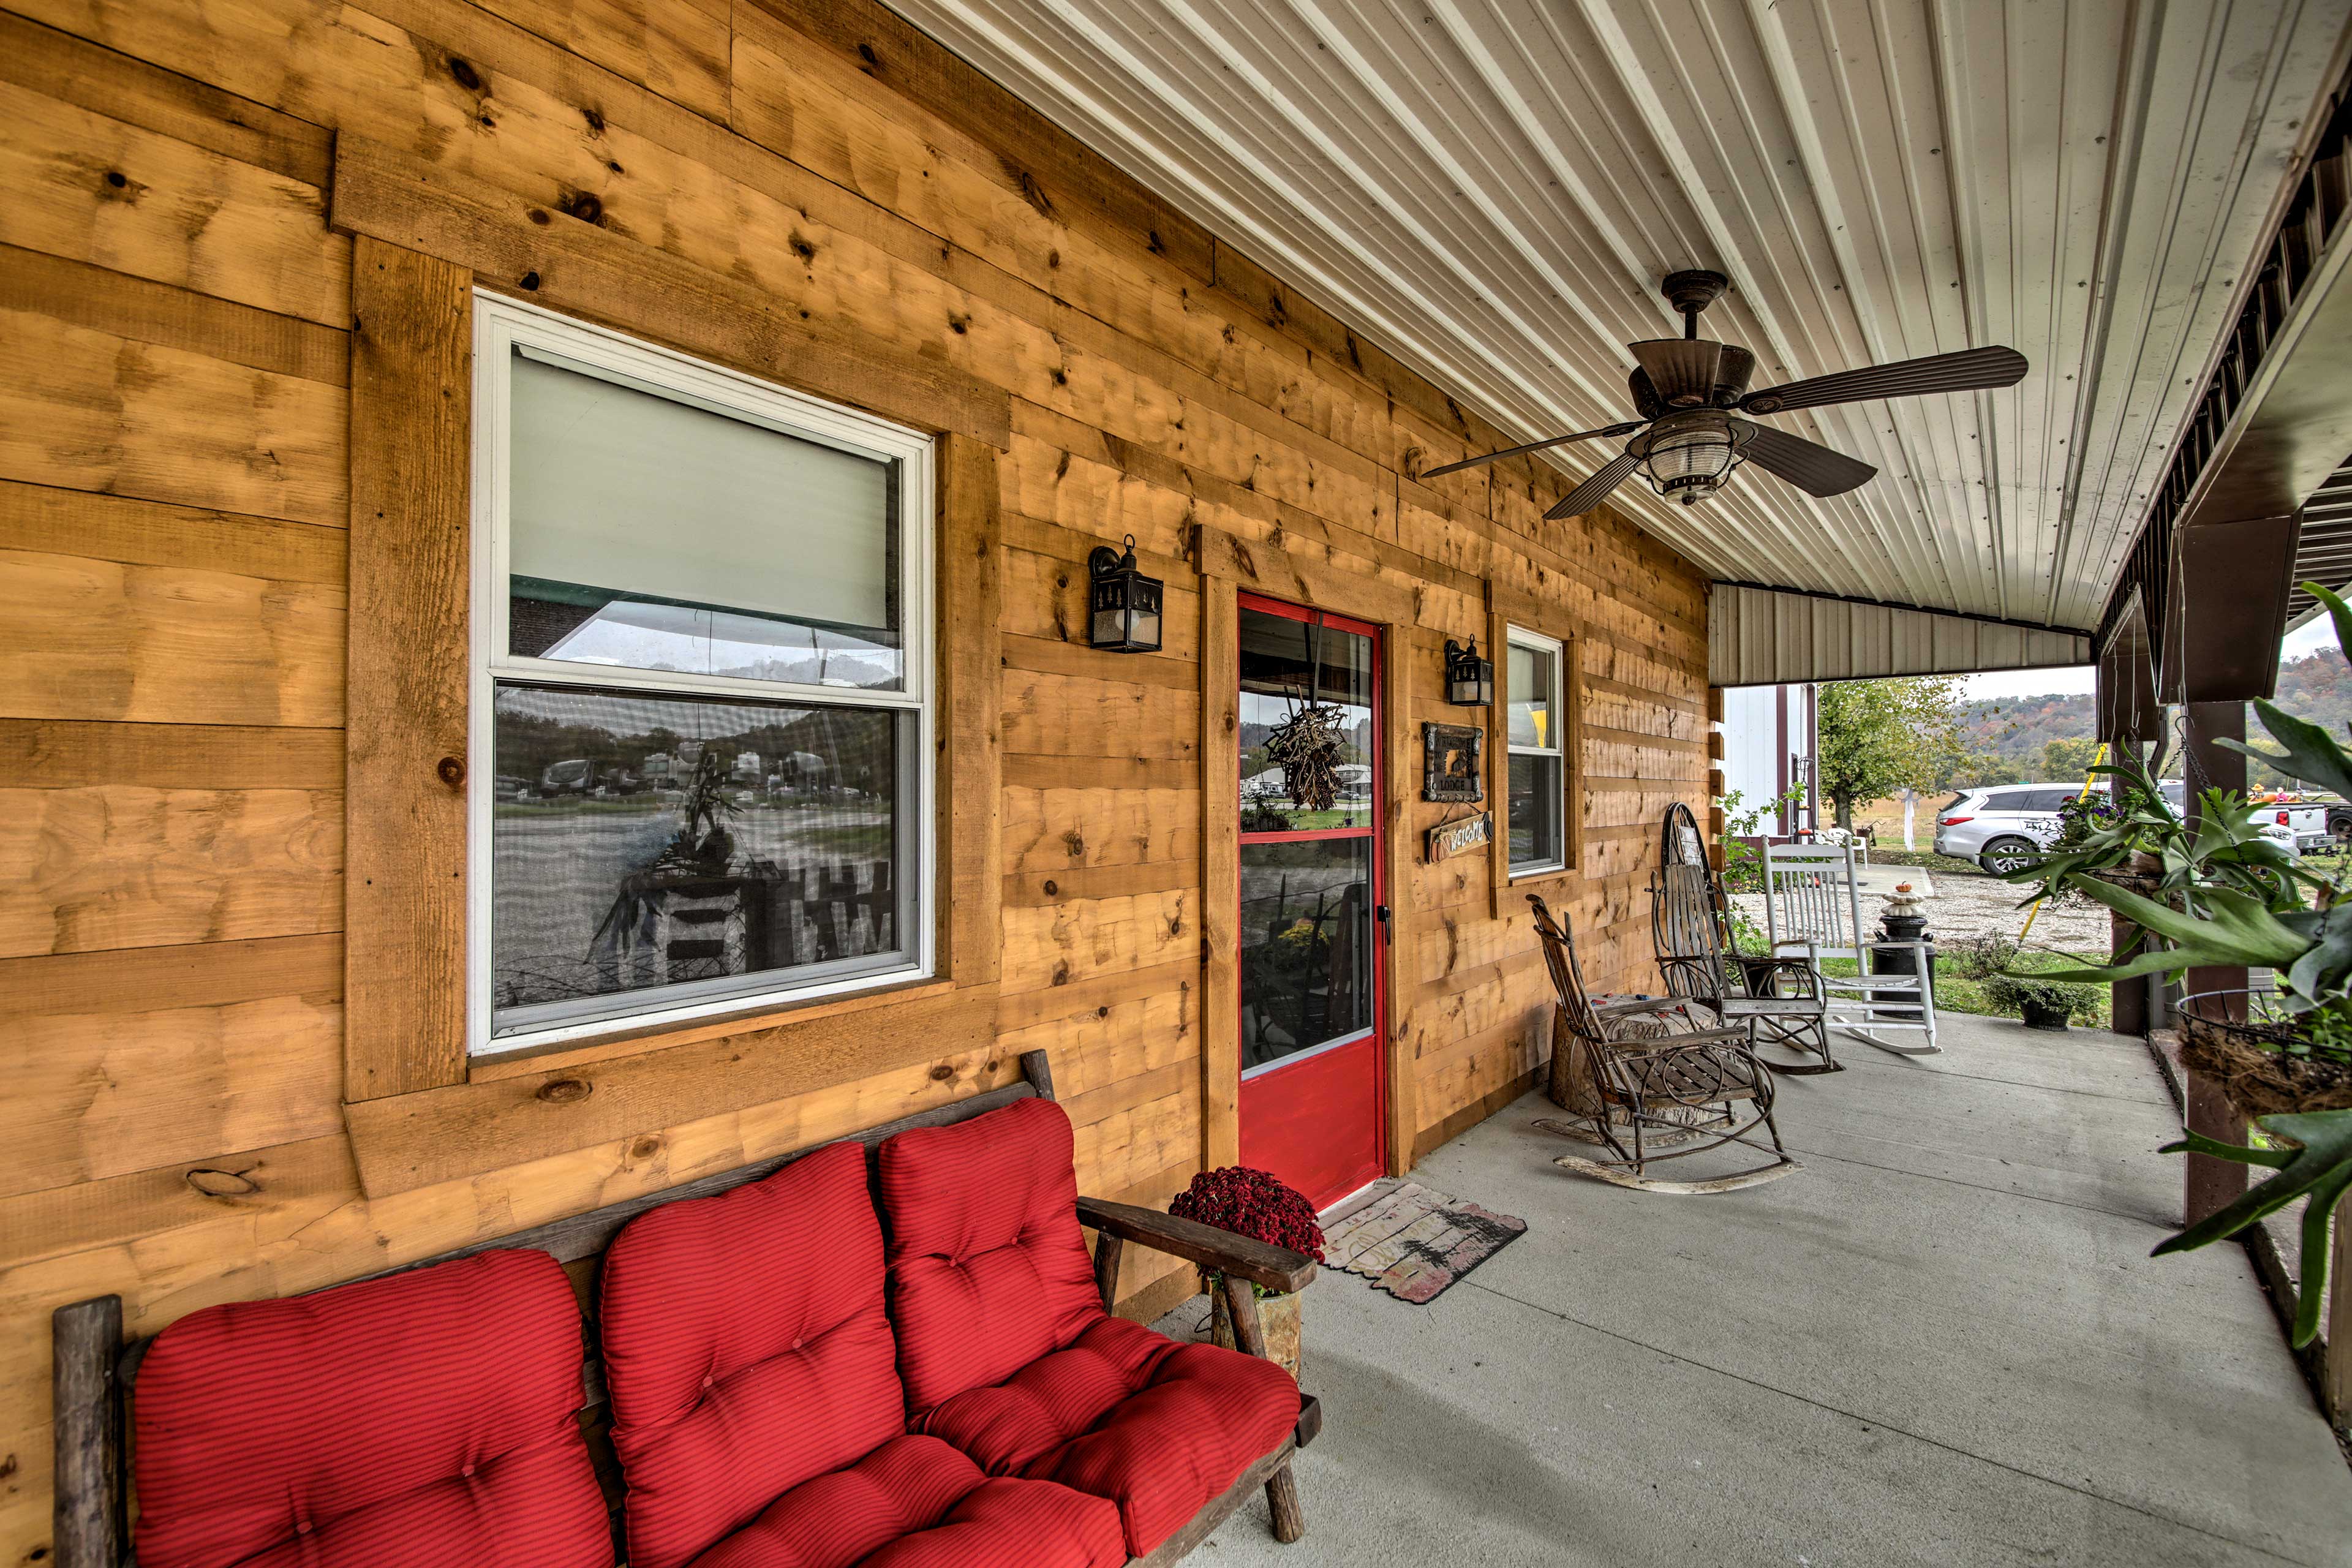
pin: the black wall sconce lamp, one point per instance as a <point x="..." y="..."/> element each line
<point x="1469" y="680"/>
<point x="1124" y="604"/>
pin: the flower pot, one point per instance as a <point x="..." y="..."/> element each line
<point x="2249" y="1062"/>
<point x="2040" y="1015"/>
<point x="1278" y="1315"/>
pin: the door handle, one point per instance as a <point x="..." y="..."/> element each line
<point x="1388" y="931"/>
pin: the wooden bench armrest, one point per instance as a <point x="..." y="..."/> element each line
<point x="1260" y="1263"/>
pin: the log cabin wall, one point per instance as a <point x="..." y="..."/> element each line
<point x="178" y="476"/>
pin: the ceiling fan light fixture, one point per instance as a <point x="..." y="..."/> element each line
<point x="1688" y="456"/>
<point x="1687" y="389"/>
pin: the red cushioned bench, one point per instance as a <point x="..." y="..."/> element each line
<point x="892" y="1351"/>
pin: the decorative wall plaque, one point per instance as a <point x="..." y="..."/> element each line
<point x="1451" y="839"/>
<point x="1450" y="762"/>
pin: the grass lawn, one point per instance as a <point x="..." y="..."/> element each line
<point x="1955" y="994"/>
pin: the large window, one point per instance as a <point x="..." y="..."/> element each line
<point x="1537" y="782"/>
<point x="701" y="690"/>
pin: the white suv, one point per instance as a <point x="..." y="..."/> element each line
<point x="2004" y="826"/>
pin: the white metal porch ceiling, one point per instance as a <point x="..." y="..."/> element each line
<point x="1492" y="189"/>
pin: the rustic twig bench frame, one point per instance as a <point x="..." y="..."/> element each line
<point x="96" y="1371"/>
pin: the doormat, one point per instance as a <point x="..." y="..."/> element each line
<point x="1414" y="1243"/>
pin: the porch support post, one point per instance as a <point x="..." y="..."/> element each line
<point x="2213" y="1183"/>
<point x="2336" y="1382"/>
<point x="2127" y="999"/>
<point x="1221" y="697"/>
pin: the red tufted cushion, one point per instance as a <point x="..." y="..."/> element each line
<point x="747" y="1349"/>
<point x="988" y="1270"/>
<point x="915" y="1502"/>
<point x="423" y="1419"/>
<point x="1160" y="1428"/>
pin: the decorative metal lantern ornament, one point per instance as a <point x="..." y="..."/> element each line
<point x="1124" y="614"/>
<point x="1469" y="680"/>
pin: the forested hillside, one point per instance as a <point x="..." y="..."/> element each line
<point x="2010" y="739"/>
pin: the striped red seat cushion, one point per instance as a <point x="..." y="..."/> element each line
<point x="1008" y="1354"/>
<point x="988" y="1269"/>
<point x="747" y="1350"/>
<point x="418" y="1420"/>
<point x="1160" y="1428"/>
<point x="914" y="1502"/>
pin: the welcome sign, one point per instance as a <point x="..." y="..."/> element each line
<point x="1451" y="839"/>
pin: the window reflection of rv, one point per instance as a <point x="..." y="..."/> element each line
<point x="799" y="771"/>
<point x="586" y="776"/>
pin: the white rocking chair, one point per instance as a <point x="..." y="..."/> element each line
<point x="1812" y="907"/>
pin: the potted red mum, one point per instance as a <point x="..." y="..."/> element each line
<point x="1263" y="1208"/>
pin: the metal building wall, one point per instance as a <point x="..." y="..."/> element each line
<point x="1760" y="637"/>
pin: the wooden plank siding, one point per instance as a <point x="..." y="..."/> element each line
<point x="189" y="446"/>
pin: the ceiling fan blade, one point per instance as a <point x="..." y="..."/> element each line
<point x="1627" y="428"/>
<point x="1970" y="370"/>
<point x="1682" y="369"/>
<point x="1807" y="465"/>
<point x="1594" y="491"/>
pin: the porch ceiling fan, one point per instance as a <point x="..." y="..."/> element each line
<point x="1689" y="393"/>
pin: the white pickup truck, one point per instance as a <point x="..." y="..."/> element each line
<point x="2316" y="823"/>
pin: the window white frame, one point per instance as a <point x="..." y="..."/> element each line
<point x="1548" y="651"/>
<point x="502" y="325"/>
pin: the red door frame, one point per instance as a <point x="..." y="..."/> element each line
<point x="1376" y="833"/>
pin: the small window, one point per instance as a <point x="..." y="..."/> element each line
<point x="1536" y="756"/>
<point x="701" y="695"/>
<point x="2008" y="800"/>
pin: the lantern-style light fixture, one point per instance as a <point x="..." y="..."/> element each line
<point x="1124" y="604"/>
<point x="1688" y="456"/>
<point x="1469" y="680"/>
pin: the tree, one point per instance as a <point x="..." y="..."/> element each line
<point x="2068" y="760"/>
<point x="1879" y="736"/>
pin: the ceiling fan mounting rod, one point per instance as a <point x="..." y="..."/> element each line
<point x="1691" y="291"/>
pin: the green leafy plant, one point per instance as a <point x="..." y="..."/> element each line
<point x="2140" y="834"/>
<point x="2316" y="1164"/>
<point x="1980" y="957"/>
<point x="1743" y="867"/>
<point x="2016" y="992"/>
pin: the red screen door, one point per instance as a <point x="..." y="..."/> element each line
<point x="1311" y="911"/>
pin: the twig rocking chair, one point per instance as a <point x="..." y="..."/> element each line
<point x="1640" y="1068"/>
<point x="1690" y="924"/>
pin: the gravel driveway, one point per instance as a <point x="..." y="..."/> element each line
<point x="1966" y="906"/>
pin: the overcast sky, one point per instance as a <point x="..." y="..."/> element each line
<point x="2310" y="639"/>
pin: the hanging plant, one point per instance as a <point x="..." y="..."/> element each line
<point x="2226" y="898"/>
<point x="1306" y="746"/>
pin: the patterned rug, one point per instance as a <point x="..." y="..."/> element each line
<point x="1414" y="1243"/>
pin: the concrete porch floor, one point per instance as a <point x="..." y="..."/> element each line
<point x="1942" y="1343"/>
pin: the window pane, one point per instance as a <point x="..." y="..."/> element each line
<point x="640" y="844"/>
<point x="1286" y="665"/>
<point x="1533" y="673"/>
<point x="654" y="535"/>
<point x="1306" y="944"/>
<point x="1535" y="808"/>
